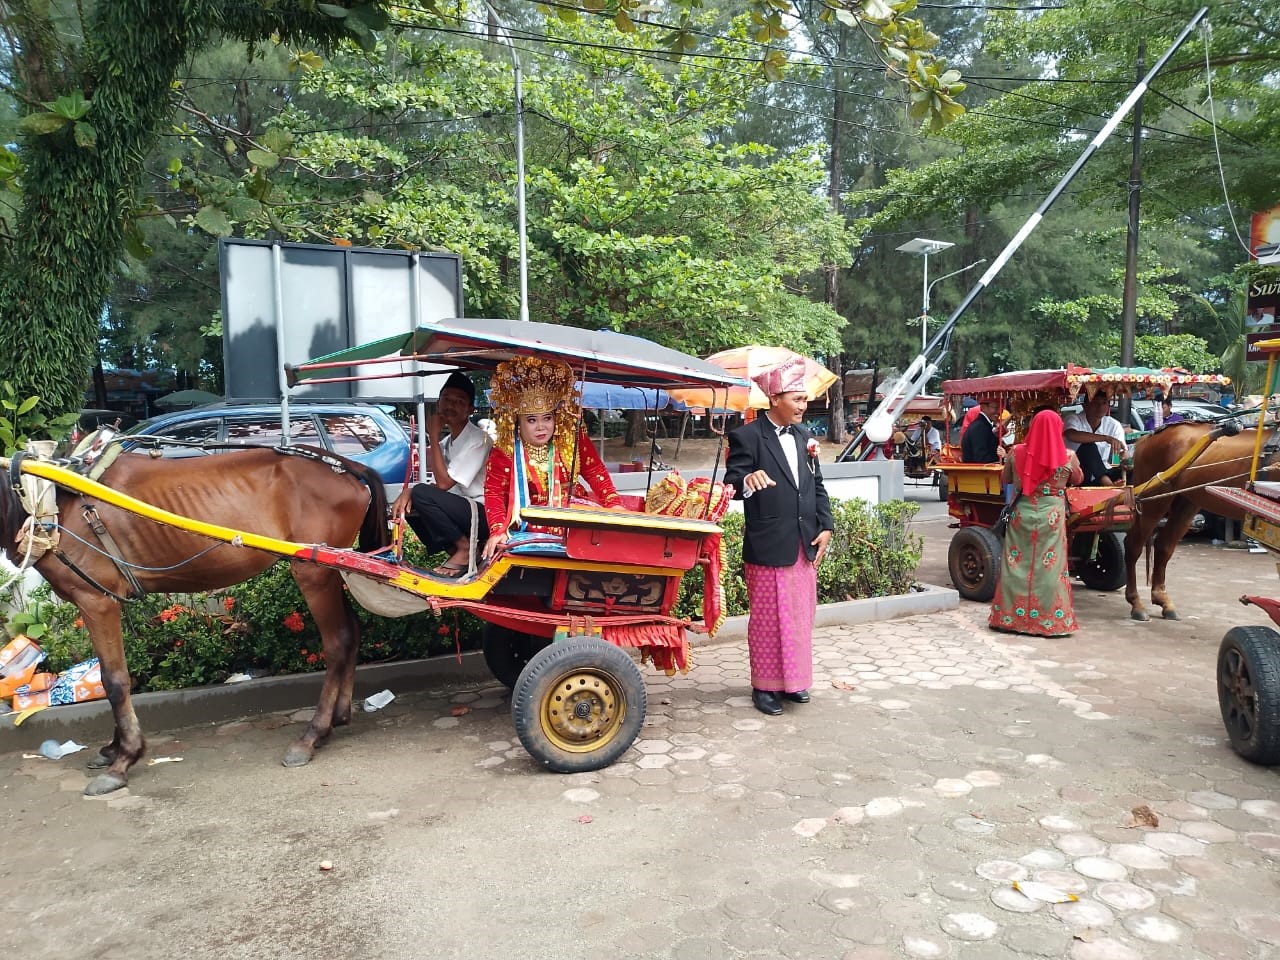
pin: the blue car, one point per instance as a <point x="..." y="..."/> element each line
<point x="366" y="433"/>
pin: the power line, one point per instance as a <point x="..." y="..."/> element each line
<point x="1202" y="119"/>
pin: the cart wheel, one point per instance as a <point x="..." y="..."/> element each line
<point x="1106" y="570"/>
<point x="940" y="481"/>
<point x="579" y="705"/>
<point x="1249" y="692"/>
<point x="506" y="652"/>
<point x="973" y="560"/>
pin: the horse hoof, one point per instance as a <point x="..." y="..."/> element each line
<point x="98" y="761"/>
<point x="104" y="783"/>
<point x="1170" y="615"/>
<point x="1139" y="615"/>
<point x="297" y="757"/>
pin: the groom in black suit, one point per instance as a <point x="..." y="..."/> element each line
<point x="773" y="467"/>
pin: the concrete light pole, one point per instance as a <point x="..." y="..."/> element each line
<point x="924" y="248"/>
<point x="520" y="207"/>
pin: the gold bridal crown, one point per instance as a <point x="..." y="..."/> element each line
<point x="532" y="385"/>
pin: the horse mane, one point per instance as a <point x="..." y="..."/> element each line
<point x="373" y="531"/>
<point x="11" y="513"/>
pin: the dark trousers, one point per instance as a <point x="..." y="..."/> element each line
<point x="441" y="519"/>
<point x="1093" y="467"/>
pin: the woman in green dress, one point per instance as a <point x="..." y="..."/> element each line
<point x="1033" y="593"/>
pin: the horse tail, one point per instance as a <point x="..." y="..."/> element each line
<point x="373" y="531"/>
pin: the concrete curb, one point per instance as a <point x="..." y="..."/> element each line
<point x="169" y="709"/>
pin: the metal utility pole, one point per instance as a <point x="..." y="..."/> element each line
<point x="835" y="396"/>
<point x="499" y="27"/>
<point x="1129" y="310"/>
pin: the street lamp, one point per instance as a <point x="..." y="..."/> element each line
<point x="924" y="248"/>
<point x="520" y="211"/>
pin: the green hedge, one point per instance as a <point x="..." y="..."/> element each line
<point x="263" y="626"/>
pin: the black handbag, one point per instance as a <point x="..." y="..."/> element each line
<point x="1002" y="521"/>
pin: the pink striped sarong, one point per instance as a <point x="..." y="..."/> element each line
<point x="780" y="624"/>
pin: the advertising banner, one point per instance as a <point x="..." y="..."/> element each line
<point x="1263" y="305"/>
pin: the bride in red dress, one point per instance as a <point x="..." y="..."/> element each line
<point x="542" y="453"/>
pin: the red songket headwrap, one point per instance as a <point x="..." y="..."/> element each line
<point x="1042" y="452"/>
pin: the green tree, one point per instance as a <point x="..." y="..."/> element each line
<point x="93" y="81"/>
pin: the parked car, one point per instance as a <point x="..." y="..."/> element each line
<point x="366" y="433"/>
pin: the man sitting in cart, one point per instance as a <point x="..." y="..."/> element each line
<point x="1097" y="438"/>
<point x="932" y="440"/>
<point x="542" y="450"/>
<point x="448" y="511"/>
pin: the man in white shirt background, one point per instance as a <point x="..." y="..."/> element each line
<point x="927" y="432"/>
<point x="1096" y="437"/>
<point x="442" y="511"/>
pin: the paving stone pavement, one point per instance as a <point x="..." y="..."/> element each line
<point x="943" y="785"/>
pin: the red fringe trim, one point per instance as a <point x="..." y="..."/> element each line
<point x="662" y="644"/>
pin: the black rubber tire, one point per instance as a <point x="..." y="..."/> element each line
<point x="940" y="481"/>
<point x="507" y="652"/>
<point x="973" y="560"/>
<point x="1106" y="570"/>
<point x="579" y="705"/>
<point x="1249" y="692"/>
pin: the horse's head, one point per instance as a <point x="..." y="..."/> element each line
<point x="11" y="513"/>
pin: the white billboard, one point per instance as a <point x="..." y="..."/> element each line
<point x="329" y="298"/>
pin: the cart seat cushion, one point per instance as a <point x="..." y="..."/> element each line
<point x="535" y="543"/>
<point x="1268" y="488"/>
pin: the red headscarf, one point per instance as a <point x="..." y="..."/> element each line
<point x="1042" y="452"/>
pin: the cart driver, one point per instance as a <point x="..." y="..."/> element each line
<point x="928" y="433"/>
<point x="1097" y="438"/>
<point x="444" y="514"/>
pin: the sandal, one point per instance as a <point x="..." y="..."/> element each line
<point x="449" y="571"/>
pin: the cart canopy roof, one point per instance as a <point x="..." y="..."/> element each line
<point x="1066" y="384"/>
<point x="483" y="343"/>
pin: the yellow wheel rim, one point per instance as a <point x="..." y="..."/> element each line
<point x="583" y="711"/>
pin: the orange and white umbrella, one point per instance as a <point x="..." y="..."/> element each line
<point x="748" y="362"/>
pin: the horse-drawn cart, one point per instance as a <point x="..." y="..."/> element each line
<point x="561" y="610"/>
<point x="1249" y="656"/>
<point x="1095" y="516"/>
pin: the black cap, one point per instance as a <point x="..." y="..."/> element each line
<point x="460" y="381"/>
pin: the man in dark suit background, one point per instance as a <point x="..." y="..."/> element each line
<point x="980" y="443"/>
<point x="773" y="467"/>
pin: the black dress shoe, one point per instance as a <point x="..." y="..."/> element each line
<point x="766" y="702"/>
<point x="800" y="696"/>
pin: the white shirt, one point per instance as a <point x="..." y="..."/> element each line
<point x="933" y="439"/>
<point x="1107" y="426"/>
<point x="788" y="442"/>
<point x="466" y="455"/>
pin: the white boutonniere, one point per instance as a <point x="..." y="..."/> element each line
<point x="812" y="449"/>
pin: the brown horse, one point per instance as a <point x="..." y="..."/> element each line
<point x="1224" y="463"/>
<point x="291" y="497"/>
